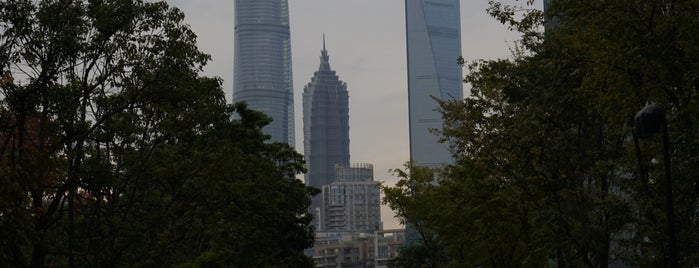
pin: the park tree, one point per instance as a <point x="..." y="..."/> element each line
<point x="411" y="199"/>
<point x="547" y="171"/>
<point x="115" y="152"/>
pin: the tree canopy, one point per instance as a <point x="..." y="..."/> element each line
<point x="114" y="151"/>
<point x="547" y="171"/>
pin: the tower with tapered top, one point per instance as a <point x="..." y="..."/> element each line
<point x="325" y="125"/>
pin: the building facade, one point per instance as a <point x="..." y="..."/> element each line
<point x="433" y="32"/>
<point x="346" y="250"/>
<point x="351" y="203"/>
<point x="325" y="126"/>
<point x="387" y="245"/>
<point x="549" y="22"/>
<point x="262" y="64"/>
<point x="361" y="250"/>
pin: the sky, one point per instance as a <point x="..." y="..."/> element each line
<point x="366" y="43"/>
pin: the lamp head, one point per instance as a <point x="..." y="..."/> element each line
<point x="648" y="121"/>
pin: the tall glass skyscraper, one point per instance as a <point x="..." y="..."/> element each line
<point x="262" y="63"/>
<point x="433" y="32"/>
<point x="325" y="125"/>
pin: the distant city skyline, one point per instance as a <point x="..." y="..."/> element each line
<point x="368" y="46"/>
<point x="262" y="64"/>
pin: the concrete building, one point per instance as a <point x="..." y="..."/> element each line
<point x="340" y="249"/>
<point x="351" y="203"/>
<point x="262" y="64"/>
<point x="387" y="244"/>
<point x="361" y="250"/>
<point x="325" y="126"/>
<point x="433" y="32"/>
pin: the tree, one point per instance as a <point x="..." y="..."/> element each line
<point x="409" y="199"/>
<point x="115" y="152"/>
<point x="547" y="172"/>
<point x="646" y="52"/>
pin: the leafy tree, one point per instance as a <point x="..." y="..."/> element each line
<point x="547" y="171"/>
<point x="115" y="152"/>
<point x="409" y="199"/>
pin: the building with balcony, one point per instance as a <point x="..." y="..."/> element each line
<point x="351" y="203"/>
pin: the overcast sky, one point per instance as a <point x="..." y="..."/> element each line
<point x="366" y="43"/>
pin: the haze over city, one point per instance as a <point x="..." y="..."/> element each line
<point x="365" y="40"/>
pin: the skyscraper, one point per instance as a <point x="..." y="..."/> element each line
<point x="325" y="124"/>
<point x="262" y="63"/>
<point x="433" y="32"/>
<point x="549" y="22"/>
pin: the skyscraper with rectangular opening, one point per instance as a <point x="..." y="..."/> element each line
<point x="262" y="63"/>
<point x="433" y="33"/>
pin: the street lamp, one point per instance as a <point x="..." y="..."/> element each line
<point x="647" y="122"/>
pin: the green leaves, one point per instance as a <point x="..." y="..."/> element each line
<point x="547" y="172"/>
<point x="115" y="152"/>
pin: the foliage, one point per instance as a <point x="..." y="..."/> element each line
<point x="547" y="171"/>
<point x="409" y="200"/>
<point x="413" y="256"/>
<point x="115" y="152"/>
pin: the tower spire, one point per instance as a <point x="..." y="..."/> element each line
<point x="324" y="58"/>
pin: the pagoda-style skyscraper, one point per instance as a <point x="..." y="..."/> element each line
<point x="262" y="64"/>
<point x="325" y="125"/>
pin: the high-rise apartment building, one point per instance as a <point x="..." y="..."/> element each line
<point x="325" y="125"/>
<point x="433" y="32"/>
<point x="351" y="203"/>
<point x="262" y="63"/>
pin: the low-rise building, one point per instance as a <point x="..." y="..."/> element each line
<point x="345" y="250"/>
<point x="357" y="250"/>
<point x="387" y="244"/>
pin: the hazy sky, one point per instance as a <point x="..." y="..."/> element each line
<point x="366" y="43"/>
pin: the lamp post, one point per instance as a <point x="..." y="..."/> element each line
<point x="647" y="122"/>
